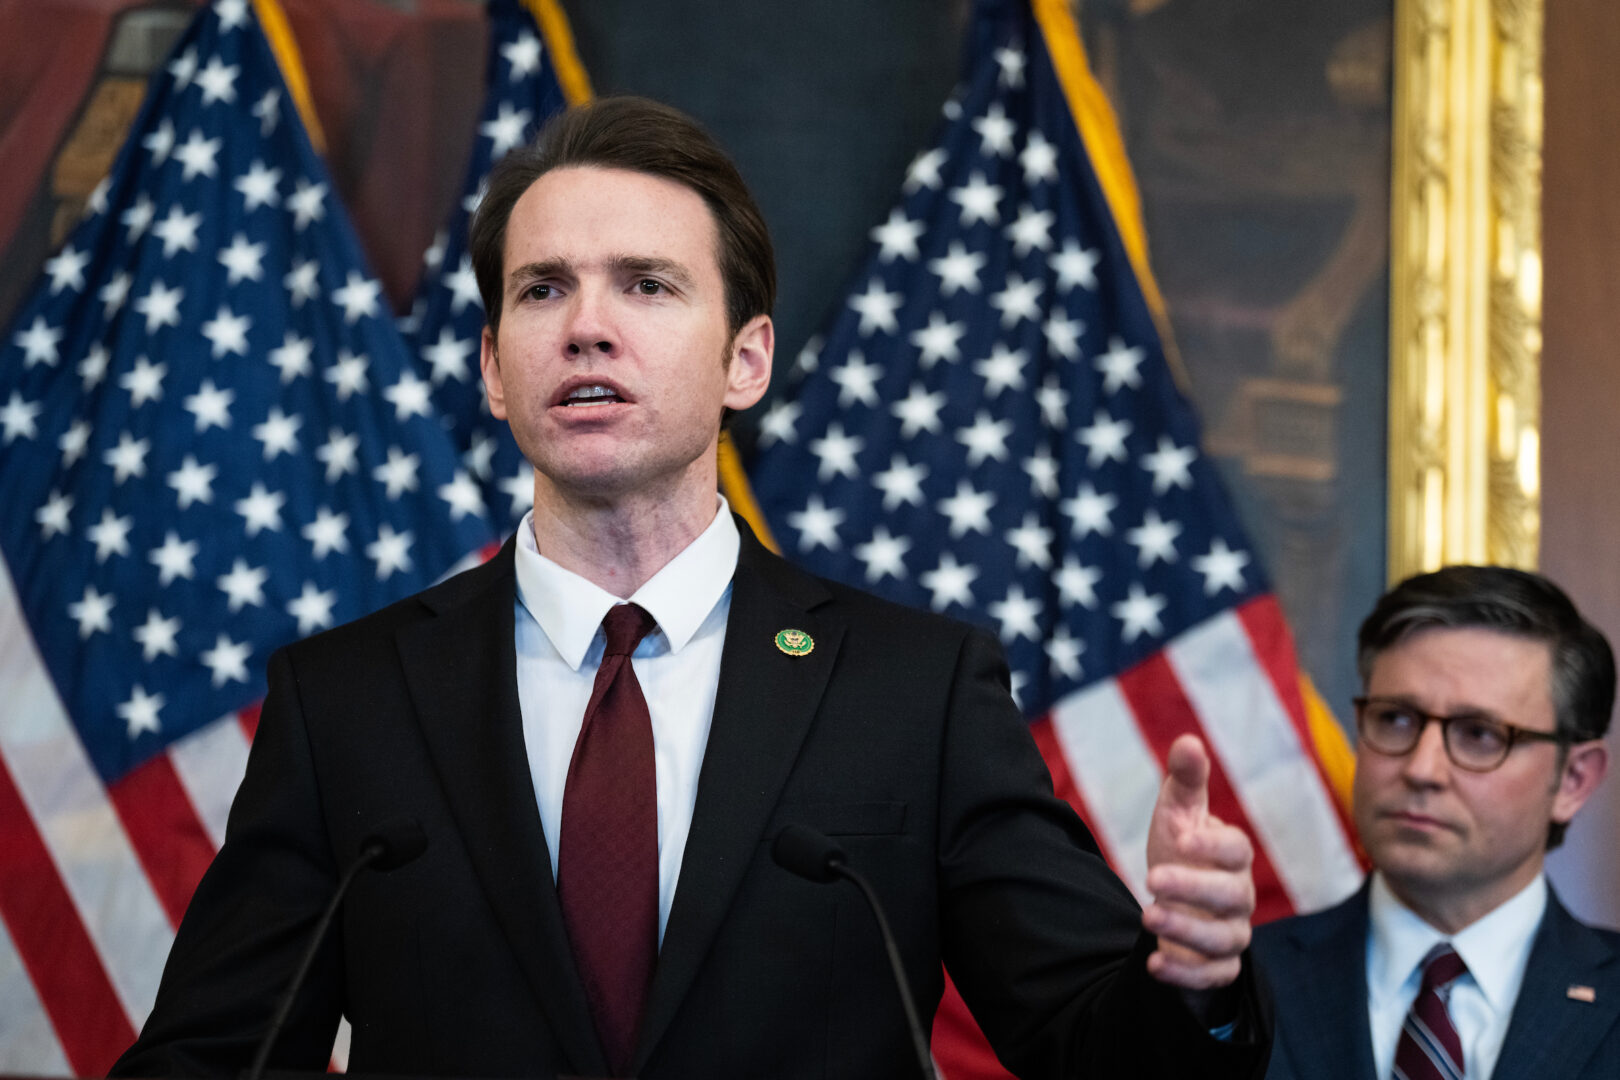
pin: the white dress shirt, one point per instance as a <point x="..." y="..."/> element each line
<point x="1496" y="949"/>
<point x="559" y="647"/>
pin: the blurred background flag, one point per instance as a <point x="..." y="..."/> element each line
<point x="990" y="427"/>
<point x="213" y="440"/>
<point x="532" y="74"/>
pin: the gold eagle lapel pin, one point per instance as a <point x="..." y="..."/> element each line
<point x="795" y="642"/>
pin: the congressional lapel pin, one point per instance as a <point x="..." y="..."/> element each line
<point x="1577" y="992"/>
<point x="794" y="642"/>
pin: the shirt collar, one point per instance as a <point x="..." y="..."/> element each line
<point x="679" y="596"/>
<point x="1495" y="947"/>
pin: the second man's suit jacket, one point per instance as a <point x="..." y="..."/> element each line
<point x="1316" y="966"/>
<point x="895" y="736"/>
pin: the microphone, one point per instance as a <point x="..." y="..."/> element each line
<point x="812" y="856"/>
<point x="389" y="847"/>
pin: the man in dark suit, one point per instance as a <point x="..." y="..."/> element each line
<point x="1481" y="736"/>
<point x="630" y="920"/>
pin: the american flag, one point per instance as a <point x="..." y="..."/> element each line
<point x="213" y="440"/>
<point x="989" y="428"/>
<point x="448" y="317"/>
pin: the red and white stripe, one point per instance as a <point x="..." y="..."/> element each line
<point x="1232" y="681"/>
<point x="93" y="879"/>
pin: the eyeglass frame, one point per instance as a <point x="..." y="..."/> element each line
<point x="1514" y="733"/>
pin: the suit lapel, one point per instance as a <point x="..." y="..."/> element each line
<point x="1550" y="1033"/>
<point x="461" y="669"/>
<point x="764" y="706"/>
<point x="1327" y="987"/>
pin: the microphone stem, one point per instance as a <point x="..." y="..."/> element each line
<point x="367" y="857"/>
<point x="924" y="1059"/>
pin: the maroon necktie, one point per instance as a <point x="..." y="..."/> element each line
<point x="1429" y="1048"/>
<point x="607" y="859"/>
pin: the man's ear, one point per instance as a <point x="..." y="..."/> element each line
<point x="489" y="364"/>
<point x="749" y="374"/>
<point x="1584" y="766"/>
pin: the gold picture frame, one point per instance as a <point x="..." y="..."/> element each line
<point x="1465" y="285"/>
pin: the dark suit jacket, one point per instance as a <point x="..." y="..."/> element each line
<point x="895" y="735"/>
<point x="1316" y="966"/>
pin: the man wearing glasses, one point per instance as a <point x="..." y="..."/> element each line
<point x="1481" y="736"/>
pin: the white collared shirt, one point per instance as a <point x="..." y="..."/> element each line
<point x="560" y="641"/>
<point x="1496" y="949"/>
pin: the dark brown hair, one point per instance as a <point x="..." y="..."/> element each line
<point x="642" y="136"/>
<point x="1512" y="602"/>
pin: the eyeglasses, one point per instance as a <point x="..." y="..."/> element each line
<point x="1473" y="741"/>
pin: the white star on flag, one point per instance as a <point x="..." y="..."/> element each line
<point x="391" y="551"/>
<point x="260" y="510"/>
<point x="178" y="231"/>
<point x="884" y="555"/>
<point x="995" y="132"/>
<point x="857" y="381"/>
<point x="968" y="509"/>
<point x="1039" y="160"/>
<point x="1104" y="440"/>
<point x="1119" y="366"/>
<point x="506" y="130"/>
<point x="1222" y="567"/>
<point x="244" y="585"/>
<point x="1077" y="584"/>
<point x="950" y="583"/>
<point x="259" y="186"/>
<point x="1154" y="539"/>
<point x="358" y="296"/>
<point x="877" y="308"/>
<point x="837" y="452"/>
<point x="958" y="269"/>
<point x="1169" y="465"/>
<point x="66" y="269"/>
<point x="1139" y="614"/>
<point x="157" y="636"/>
<point x="817" y="524"/>
<point x="938" y="340"/>
<point x="327" y="533"/>
<point x="918" y="411"/>
<point x="227" y="333"/>
<point x="312" y="608"/>
<point x="523" y="54"/>
<point x="978" y="200"/>
<point x="897" y="238"/>
<point x="777" y="423"/>
<point x="1018" y="301"/>
<point x="398" y="474"/>
<point x="199" y="157"/>
<point x="243" y="260"/>
<point x="1002" y="370"/>
<point x="901" y="483"/>
<point x="923" y="171"/>
<point x="986" y="439"/>
<point x="39" y="343"/>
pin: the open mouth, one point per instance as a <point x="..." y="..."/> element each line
<point x="589" y="395"/>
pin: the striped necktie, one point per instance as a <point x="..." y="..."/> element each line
<point x="1429" y="1048"/>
